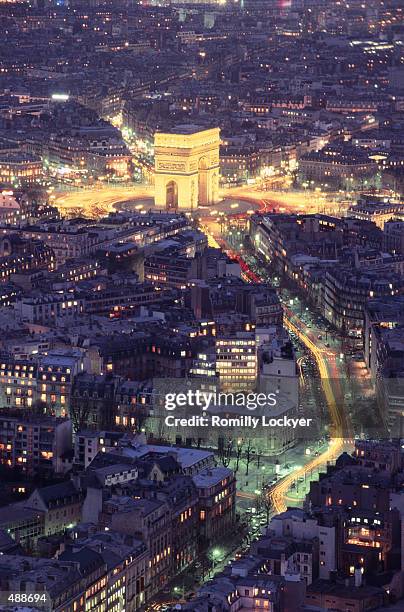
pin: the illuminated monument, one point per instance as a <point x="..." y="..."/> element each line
<point x="187" y="167"/>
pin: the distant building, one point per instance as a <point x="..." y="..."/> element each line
<point x="216" y="488"/>
<point x="393" y="236"/>
<point x="236" y="361"/>
<point x="56" y="374"/>
<point x="300" y="526"/>
<point x="150" y="520"/>
<point x="76" y="583"/>
<point x="354" y="598"/>
<point x="20" y="169"/>
<point x="380" y="316"/>
<point x="191" y="460"/>
<point x="239" y="164"/>
<point x="87" y="444"/>
<point x="249" y="590"/>
<point x="36" y="445"/>
<point x="50" y="308"/>
<point x="19" y="256"/>
<point x="378" y="210"/>
<point x="384" y="353"/>
<point x="18" y="382"/>
<point x="10" y="210"/>
<point x="336" y="165"/>
<point x="61" y="505"/>
<point x="126" y="560"/>
<point x="24" y="525"/>
<point x="347" y="291"/>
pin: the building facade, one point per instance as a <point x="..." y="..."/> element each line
<point x="186" y="168"/>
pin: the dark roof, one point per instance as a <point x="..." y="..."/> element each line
<point x="88" y="559"/>
<point x="340" y="590"/>
<point x="111" y="559"/>
<point x="345" y="459"/>
<point x="104" y="459"/>
<point x="167" y="464"/>
<point x="56" y="492"/>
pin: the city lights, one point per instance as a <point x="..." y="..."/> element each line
<point x="202" y="305"/>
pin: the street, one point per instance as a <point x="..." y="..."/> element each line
<point x="331" y="370"/>
<point x="102" y="199"/>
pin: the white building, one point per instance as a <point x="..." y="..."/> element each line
<point x="277" y="368"/>
<point x="297" y="524"/>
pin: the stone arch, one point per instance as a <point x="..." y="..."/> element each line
<point x="172" y="195"/>
<point x="215" y="187"/>
<point x="203" y="181"/>
<point x="189" y="157"/>
<point x="194" y="202"/>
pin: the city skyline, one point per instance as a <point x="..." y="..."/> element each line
<point x="202" y="305"/>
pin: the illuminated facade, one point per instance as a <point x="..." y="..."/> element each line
<point x="16" y="169"/>
<point x="34" y="444"/>
<point x="187" y="168"/>
<point x="236" y="362"/>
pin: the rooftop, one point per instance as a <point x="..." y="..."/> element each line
<point x="210" y="477"/>
<point x="186" y="457"/>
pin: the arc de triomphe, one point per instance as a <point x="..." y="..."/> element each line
<point x="187" y="167"/>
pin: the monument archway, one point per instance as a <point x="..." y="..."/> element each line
<point x="189" y="158"/>
<point x="203" y="179"/>
<point x="172" y="195"/>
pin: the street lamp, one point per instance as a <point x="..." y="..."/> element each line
<point x="217" y="553"/>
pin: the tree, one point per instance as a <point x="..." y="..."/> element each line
<point x="161" y="427"/>
<point x="79" y="413"/>
<point x="225" y="453"/>
<point x="264" y="501"/>
<point x="238" y="452"/>
<point x="249" y="451"/>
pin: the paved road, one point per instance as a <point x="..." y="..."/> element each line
<point x="100" y="200"/>
<point x="326" y="359"/>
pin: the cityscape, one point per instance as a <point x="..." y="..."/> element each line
<point x="202" y="305"/>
